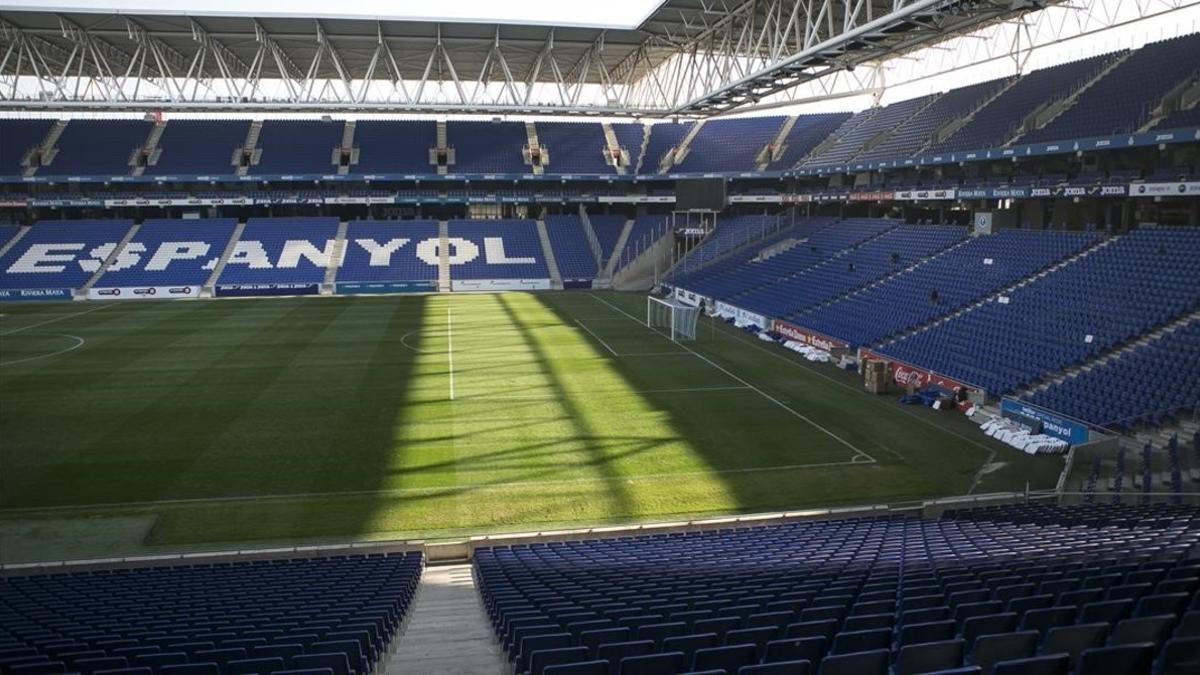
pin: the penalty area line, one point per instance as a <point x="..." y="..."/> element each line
<point x="762" y="393"/>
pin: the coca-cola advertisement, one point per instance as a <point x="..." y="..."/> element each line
<point x="905" y="374"/>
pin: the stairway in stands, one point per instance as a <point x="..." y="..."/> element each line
<point x="447" y="631"/>
<point x="206" y="291"/>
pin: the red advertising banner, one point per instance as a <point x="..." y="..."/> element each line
<point x="808" y="337"/>
<point x="905" y="374"/>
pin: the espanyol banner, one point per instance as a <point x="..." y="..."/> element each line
<point x="499" y="284"/>
<point x="252" y="290"/>
<point x="741" y="316"/>
<point x="1164" y="189"/>
<point x="34" y="294"/>
<point x="144" y="293"/>
<point x="806" y="336"/>
<point x="905" y="374"/>
<point x="1052" y="424"/>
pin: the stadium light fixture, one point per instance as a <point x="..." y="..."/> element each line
<point x="614" y="14"/>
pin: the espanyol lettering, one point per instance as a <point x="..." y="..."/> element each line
<point x="55" y="258"/>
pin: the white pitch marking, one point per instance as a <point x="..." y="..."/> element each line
<point x="78" y="343"/>
<point x="762" y="393"/>
<point x="598" y="338"/>
<point x="59" y="318"/>
<point x="450" y="345"/>
<point x="794" y="363"/>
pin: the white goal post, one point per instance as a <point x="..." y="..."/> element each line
<point x="672" y="318"/>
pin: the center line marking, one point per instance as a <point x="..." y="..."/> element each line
<point x="450" y="345"/>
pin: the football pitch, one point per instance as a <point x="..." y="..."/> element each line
<point x="142" y="427"/>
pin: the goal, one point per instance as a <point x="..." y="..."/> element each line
<point x="672" y="318"/>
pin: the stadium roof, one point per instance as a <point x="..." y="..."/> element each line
<point x="689" y="57"/>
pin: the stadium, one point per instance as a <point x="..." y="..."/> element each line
<point x="646" y="337"/>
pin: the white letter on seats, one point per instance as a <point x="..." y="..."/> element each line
<point x="294" y="249"/>
<point x="99" y="255"/>
<point x="461" y="251"/>
<point x="34" y="261"/>
<point x="381" y="254"/>
<point x="176" y="250"/>
<point x="129" y="256"/>
<point x="251" y="254"/>
<point x="493" y="248"/>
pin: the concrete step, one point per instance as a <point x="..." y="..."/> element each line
<point x="448" y="630"/>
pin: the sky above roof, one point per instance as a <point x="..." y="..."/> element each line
<point x="607" y="14"/>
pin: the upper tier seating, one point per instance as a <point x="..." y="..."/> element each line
<point x="340" y="614"/>
<point x="907" y="139"/>
<point x="629" y="137"/>
<point x="608" y="231"/>
<point x="882" y="256"/>
<point x="856" y="596"/>
<point x="731" y="145"/>
<point x="298" y="146"/>
<point x="806" y="134"/>
<point x="169" y="253"/>
<point x="663" y="137"/>
<point x="199" y="147"/>
<point x="1149" y="384"/>
<point x="960" y="276"/>
<point x="998" y="122"/>
<point x="1121" y="101"/>
<point x="817" y="240"/>
<point x="97" y="147"/>
<point x="386" y="250"/>
<point x="1139" y="281"/>
<point x="572" y="251"/>
<point x="487" y="147"/>
<point x="281" y="250"/>
<point x="394" y="146"/>
<point x="61" y="253"/>
<point x="574" y="147"/>
<point x="19" y="137"/>
<point x="873" y="123"/>
<point x="501" y="249"/>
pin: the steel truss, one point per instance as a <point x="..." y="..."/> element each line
<point x="692" y="58"/>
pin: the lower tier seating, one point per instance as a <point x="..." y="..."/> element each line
<point x="1094" y="590"/>
<point x="330" y="616"/>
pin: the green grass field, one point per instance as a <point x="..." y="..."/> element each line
<point x="138" y="427"/>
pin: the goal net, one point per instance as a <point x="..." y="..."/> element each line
<point x="672" y="318"/>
